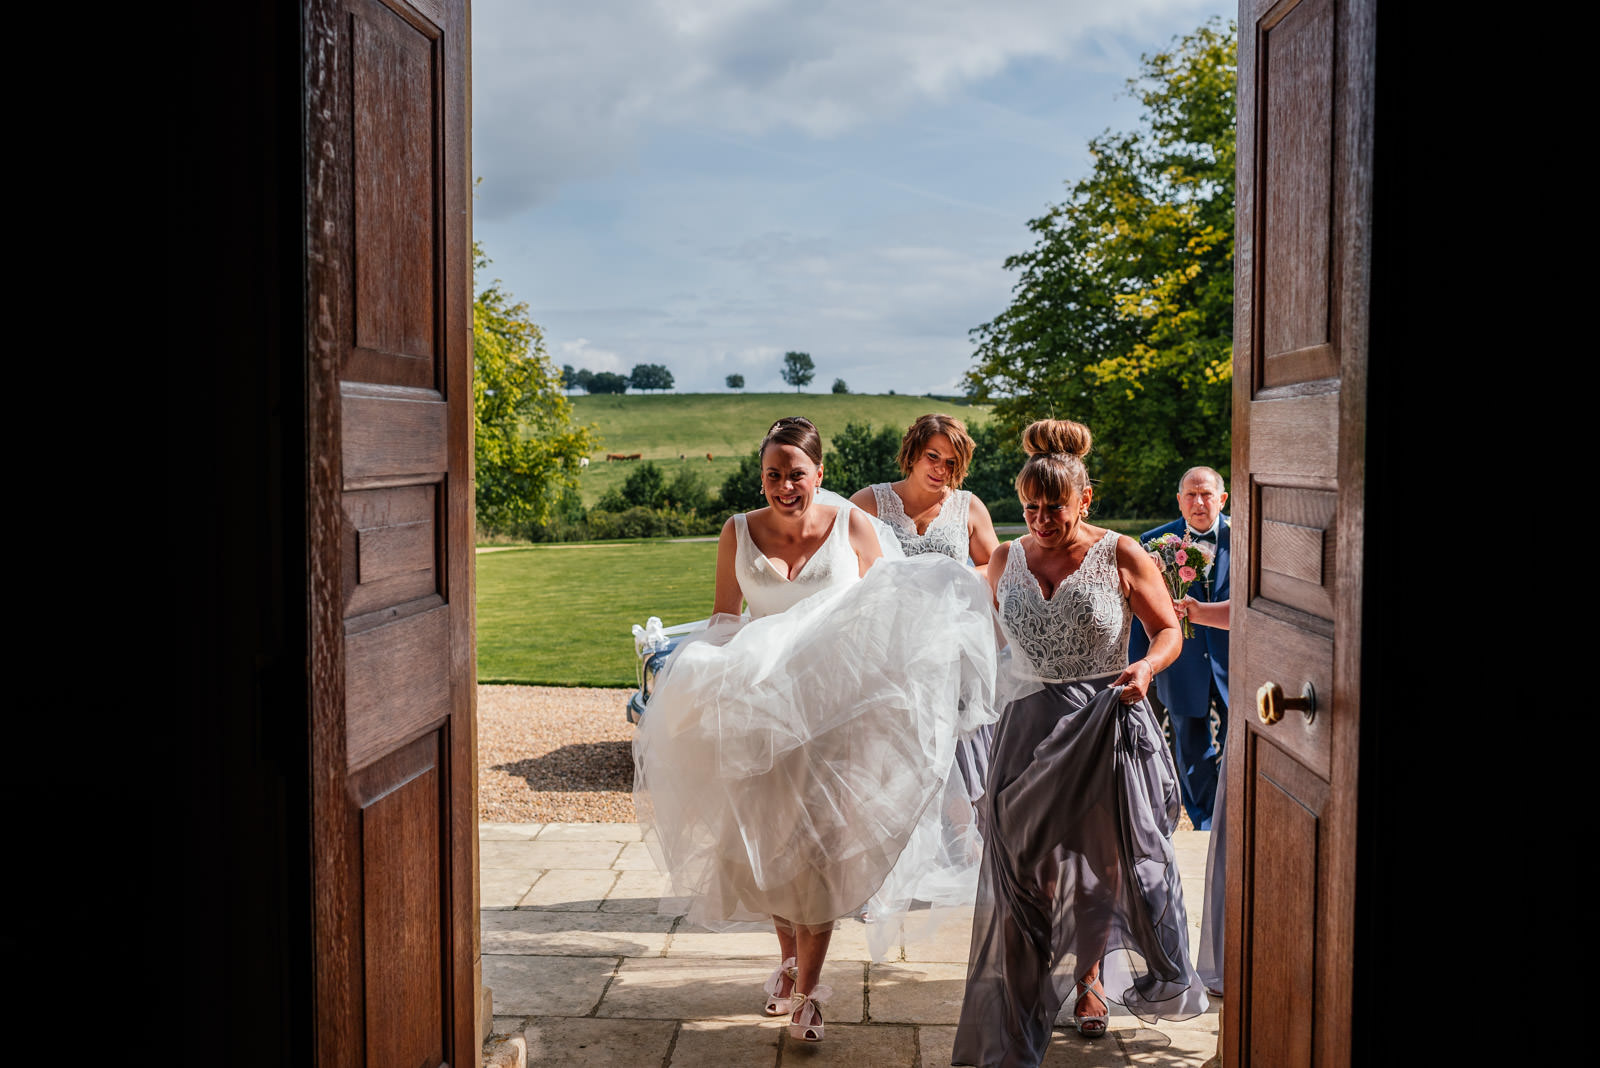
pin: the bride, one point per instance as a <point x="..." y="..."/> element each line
<point x="789" y="755"/>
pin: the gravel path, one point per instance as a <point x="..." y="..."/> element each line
<point x="550" y="754"/>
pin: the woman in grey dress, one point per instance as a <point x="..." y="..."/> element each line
<point x="1079" y="894"/>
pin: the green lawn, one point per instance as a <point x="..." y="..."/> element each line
<point x="664" y="426"/>
<point x="561" y="615"/>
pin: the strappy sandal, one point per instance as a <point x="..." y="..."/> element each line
<point x="1091" y="1026"/>
<point x="778" y="1004"/>
<point x="805" y="1022"/>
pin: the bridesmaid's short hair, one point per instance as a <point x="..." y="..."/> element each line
<point x="918" y="435"/>
<point x="1054" y="471"/>
<point x="794" y="430"/>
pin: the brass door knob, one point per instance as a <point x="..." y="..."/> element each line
<point x="1271" y="703"/>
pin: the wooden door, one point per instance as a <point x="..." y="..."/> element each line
<point x="388" y="283"/>
<point x="1300" y="361"/>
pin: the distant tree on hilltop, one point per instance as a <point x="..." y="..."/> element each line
<point x="839" y="386"/>
<point x="607" y="382"/>
<point x="735" y="381"/>
<point x="650" y="376"/>
<point x="798" y="369"/>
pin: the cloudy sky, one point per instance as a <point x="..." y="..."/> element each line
<point x="706" y="184"/>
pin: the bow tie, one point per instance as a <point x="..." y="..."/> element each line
<point x="1195" y="535"/>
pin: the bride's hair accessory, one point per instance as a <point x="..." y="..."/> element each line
<point x="798" y="431"/>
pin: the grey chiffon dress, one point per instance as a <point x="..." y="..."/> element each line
<point x="1081" y="803"/>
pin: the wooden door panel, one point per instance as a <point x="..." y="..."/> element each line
<point x="397" y="683"/>
<point x="389" y="285"/>
<point x="1301" y="305"/>
<point x="1284" y="828"/>
<point x="403" y="805"/>
<point x="1295" y="72"/>
<point x="1279" y="650"/>
<point x="1291" y="434"/>
<point x="393" y="435"/>
<point x="395" y="140"/>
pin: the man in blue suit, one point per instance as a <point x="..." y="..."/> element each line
<point x="1199" y="677"/>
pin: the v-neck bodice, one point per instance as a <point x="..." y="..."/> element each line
<point x="768" y="590"/>
<point x="1081" y="629"/>
<point x="946" y="532"/>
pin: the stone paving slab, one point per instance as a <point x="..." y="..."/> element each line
<point x="757" y="940"/>
<point x="563" y="986"/>
<point x="590" y="832"/>
<point x="599" y="1043"/>
<point x="635" y="857"/>
<point x="547" y="855"/>
<point x="509" y="832"/>
<point x="643" y="891"/>
<point x="927" y="993"/>
<point x="855" y="1046"/>
<point x="504" y="888"/>
<point x="734" y="1043"/>
<point x="571" y="890"/>
<point x="573" y="934"/>
<point x="1170" y="1045"/>
<point x="942" y="934"/>
<point x="718" y="989"/>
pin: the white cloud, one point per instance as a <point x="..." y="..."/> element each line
<point x="583" y="355"/>
<point x="566" y="92"/>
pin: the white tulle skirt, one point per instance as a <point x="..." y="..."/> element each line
<point x="784" y="764"/>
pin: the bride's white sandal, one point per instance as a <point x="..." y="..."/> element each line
<point x="779" y="1004"/>
<point x="805" y="1022"/>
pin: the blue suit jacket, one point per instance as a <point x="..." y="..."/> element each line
<point x="1185" y="687"/>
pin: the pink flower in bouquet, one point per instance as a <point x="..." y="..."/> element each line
<point x="1187" y="573"/>
<point x="1183" y="557"/>
<point x="1161" y="564"/>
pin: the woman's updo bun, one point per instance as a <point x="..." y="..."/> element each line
<point x="1054" y="472"/>
<point x="1057" y="435"/>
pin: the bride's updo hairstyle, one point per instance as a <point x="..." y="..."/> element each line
<point x="798" y="431"/>
<point x="1054" y="472"/>
<point x="919" y="433"/>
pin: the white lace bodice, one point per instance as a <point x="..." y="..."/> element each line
<point x="1082" y="629"/>
<point x="768" y="592"/>
<point x="947" y="533"/>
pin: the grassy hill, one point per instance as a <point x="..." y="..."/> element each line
<point x="662" y="427"/>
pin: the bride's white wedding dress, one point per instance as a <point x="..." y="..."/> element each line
<point x="786" y="759"/>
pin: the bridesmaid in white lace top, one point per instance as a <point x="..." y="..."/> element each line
<point x="928" y="509"/>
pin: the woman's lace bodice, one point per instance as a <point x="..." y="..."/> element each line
<point x="1082" y="629"/>
<point x="768" y="592"/>
<point x="947" y="533"/>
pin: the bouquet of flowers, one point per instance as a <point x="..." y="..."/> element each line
<point x="1181" y="561"/>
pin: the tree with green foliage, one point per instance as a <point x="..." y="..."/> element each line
<point x="606" y="382"/>
<point x="839" y="386"/>
<point x="860" y="457"/>
<point x="735" y="381"/>
<point x="650" y="376"/>
<point x="798" y="369"/>
<point x="1122" y="314"/>
<point x="526" y="446"/>
<point x="741" y="490"/>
